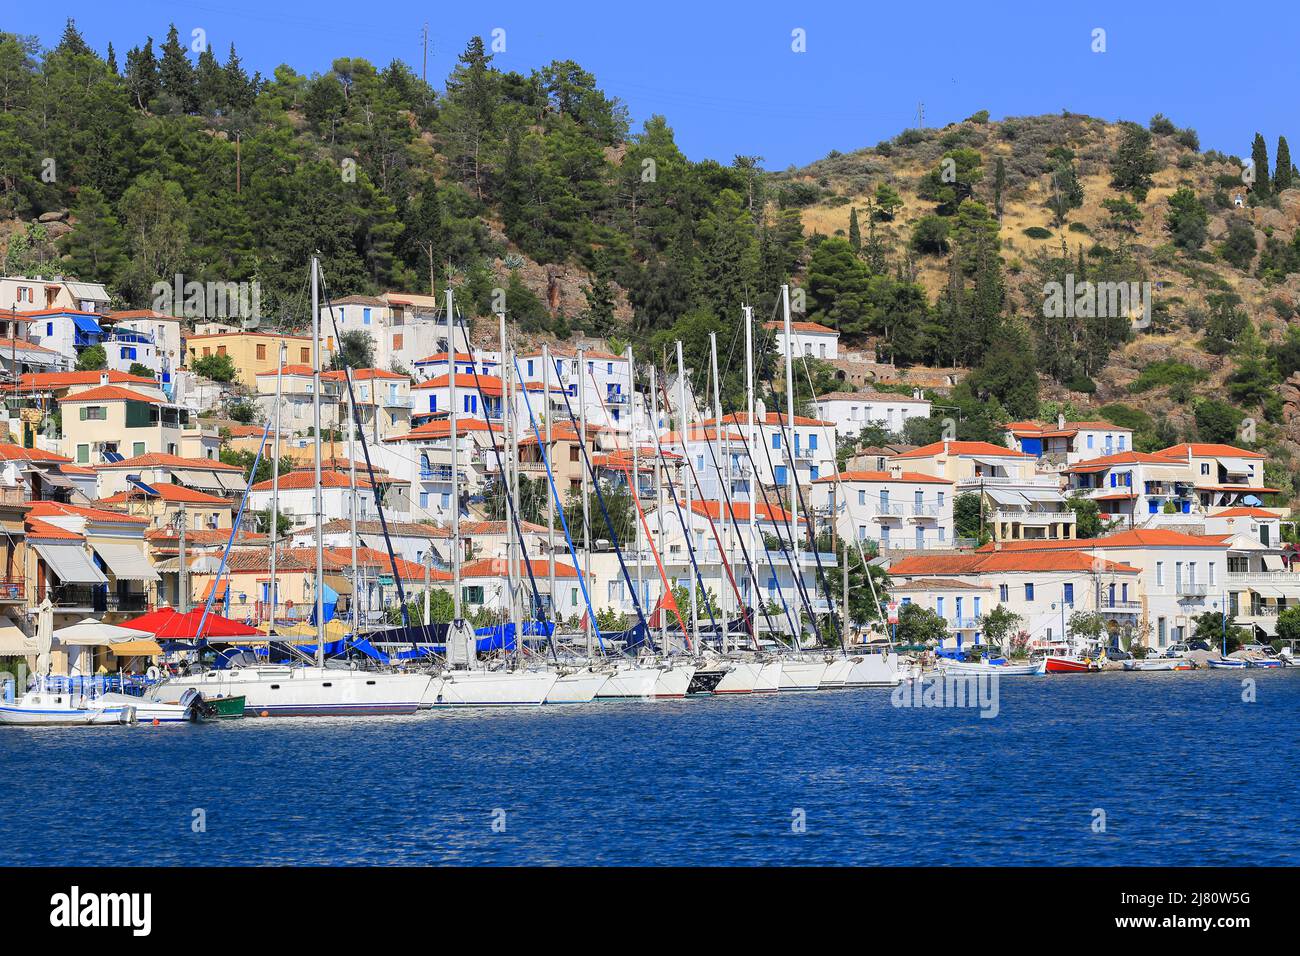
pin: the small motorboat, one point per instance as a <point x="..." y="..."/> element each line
<point x="46" y="708"/>
<point x="1226" y="663"/>
<point x="1059" y="664"/>
<point x="186" y="710"/>
<point x="1159" y="664"/>
<point x="949" y="666"/>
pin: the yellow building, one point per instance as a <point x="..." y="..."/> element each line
<point x="162" y="502"/>
<point x="256" y="352"/>
<point x="104" y="421"/>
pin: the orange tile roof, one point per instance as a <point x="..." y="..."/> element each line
<point x="1207" y="450"/>
<point x="714" y="510"/>
<point x="363" y="374"/>
<point x="771" y="418"/>
<point x="36" y="528"/>
<point x="498" y="567"/>
<point x="297" y="480"/>
<point x="1133" y="538"/>
<point x="41" y="381"/>
<point x="962" y="448"/>
<point x="906" y="476"/>
<point x="12" y="452"/>
<point x="441" y="427"/>
<point x="871" y="397"/>
<point x="111" y="393"/>
<point x="168" y="491"/>
<point x="55" y="509"/>
<point x="471" y="528"/>
<point x="160" y="459"/>
<point x="488" y="384"/>
<point x="779" y="325"/>
<point x="984" y="562"/>
<point x="1244" y="513"/>
<point x="141" y="314"/>
<point x="341" y="558"/>
<point x="1104" y="462"/>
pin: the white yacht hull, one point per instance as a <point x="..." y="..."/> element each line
<point x="837" y="673"/>
<point x="768" y="680"/>
<point x="46" y="709"/>
<point x="150" y="711"/>
<point x="280" y="691"/>
<point x="577" y="687"/>
<point x="874" y="670"/>
<point x="741" y="679"/>
<point x="495" y="688"/>
<point x="630" y="681"/>
<point x="801" y="675"/>
<point x="674" y="680"/>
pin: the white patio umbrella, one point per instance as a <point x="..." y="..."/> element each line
<point x="44" y="635"/>
<point x="95" y="633"/>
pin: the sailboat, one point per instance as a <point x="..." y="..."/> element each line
<point x="467" y="681"/>
<point x="319" y="688"/>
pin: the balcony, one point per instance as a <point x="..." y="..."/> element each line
<point x="886" y="509"/>
<point x="1189" y="589"/>
<point x="1282" y="579"/>
<point x="1036" y="517"/>
<point x="1120" y="607"/>
<point x="95" y="598"/>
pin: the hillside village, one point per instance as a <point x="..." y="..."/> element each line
<point x="998" y="472"/>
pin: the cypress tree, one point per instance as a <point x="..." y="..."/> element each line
<point x="112" y="60"/>
<point x="210" y="83"/>
<point x="1282" y="177"/>
<point x="142" y="74"/>
<point x="855" y="233"/>
<point x="176" y="76"/>
<point x="1259" y="156"/>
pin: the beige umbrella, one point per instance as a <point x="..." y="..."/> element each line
<point x="44" y="635"/>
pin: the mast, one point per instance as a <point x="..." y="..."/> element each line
<point x="275" y="487"/>
<point x="659" y="512"/>
<point x="315" y="417"/>
<point x="509" y="486"/>
<point x="455" y="465"/>
<point x="352" y="509"/>
<point x="635" y="484"/>
<point x="550" y="499"/>
<point x="183" y="591"/>
<point x="586" y="520"/>
<point x="750" y="439"/>
<point x="789" y="451"/>
<point x="689" y="523"/>
<point x="723" y="499"/>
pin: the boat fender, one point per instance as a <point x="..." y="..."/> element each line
<point x="153" y="673"/>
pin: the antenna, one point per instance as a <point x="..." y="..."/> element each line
<point x="920" y="115"/>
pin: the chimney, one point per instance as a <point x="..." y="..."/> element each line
<point x="1060" y="421"/>
<point x="103" y="378"/>
<point x="760" y="411"/>
<point x="916" y="393"/>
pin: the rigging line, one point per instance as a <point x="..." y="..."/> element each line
<point x="512" y="508"/>
<point x="800" y="590"/>
<point x="789" y="558"/>
<point x="564" y="524"/>
<point x="766" y="553"/>
<point x="722" y="551"/>
<point x="821" y="573"/>
<point x="744" y="550"/>
<point x="365" y="450"/>
<point x="636" y="598"/>
<point x="841" y="496"/>
<point x="686" y="532"/>
<point x="645" y="525"/>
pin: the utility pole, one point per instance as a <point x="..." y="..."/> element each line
<point x="239" y="171"/>
<point x="424" y="70"/>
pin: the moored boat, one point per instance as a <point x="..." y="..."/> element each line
<point x="487" y="688"/>
<point x="674" y="679"/>
<point x="741" y="678"/>
<point x="577" y="685"/>
<point x="630" y="680"/>
<point x="46" y="708"/>
<point x="798" y="674"/>
<point x="1159" y="664"/>
<point x="1059" y="664"/>
<point x="987" y="667"/>
<point x="767" y="676"/>
<point x="1226" y="663"/>
<point x="837" y="673"/>
<point x="282" y="690"/>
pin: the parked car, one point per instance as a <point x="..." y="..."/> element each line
<point x="1115" y="654"/>
<point x="1176" y="650"/>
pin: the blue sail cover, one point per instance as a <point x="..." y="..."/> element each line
<point x="634" y="638"/>
<point x="330" y="600"/>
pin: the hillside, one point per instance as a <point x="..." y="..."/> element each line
<point x="164" y="162"/>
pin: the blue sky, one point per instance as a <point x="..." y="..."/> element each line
<point x="728" y="81"/>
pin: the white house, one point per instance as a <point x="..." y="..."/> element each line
<point x="1067" y="443"/>
<point x="28" y="294"/>
<point x="853" y="411"/>
<point x="907" y="510"/>
<point x="404" y="327"/>
<point x="810" y="340"/>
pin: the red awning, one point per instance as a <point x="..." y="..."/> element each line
<point x="186" y="626"/>
<point x="151" y="621"/>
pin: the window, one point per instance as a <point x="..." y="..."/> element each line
<point x="304" y="356"/>
<point x="1029" y="591"/>
<point x="862" y="496"/>
<point x="49" y="328"/>
<point x="573" y="597"/>
<point x="1067" y="594"/>
<point x="615" y="590"/>
<point x="1090" y="441"/>
<point x="397" y="342"/>
<point x="977" y="608"/>
<point x="137" y="449"/>
<point x="938" y="606"/>
<point x="813" y="473"/>
<point x="424" y="499"/>
<point x="1205" y="468"/>
<point x="128" y="352"/>
<point x="776" y="441"/>
<point x="473" y="594"/>
<point x="1160" y="574"/>
<point x="221" y="350"/>
<point x="574" y="452"/>
<point x="261" y="351"/>
<point x="530" y="367"/>
<point x="1004" y="592"/>
<point x="780" y="475"/>
<point x="94" y="413"/>
<point x="83" y="454"/>
<point x="1213" y="575"/>
<point x="470" y="403"/>
<point x="957" y="613"/>
<point x="812" y="442"/>
<point x="609" y="368"/>
<point x="365" y="316"/>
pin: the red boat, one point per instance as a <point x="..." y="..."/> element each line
<point x="1057" y="664"/>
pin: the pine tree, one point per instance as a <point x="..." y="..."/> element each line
<point x="239" y="91"/>
<point x="210" y="83"/>
<point x="1259" y="158"/>
<point x="855" y="233"/>
<point x="94" y="251"/>
<point x="142" y="74"/>
<point x="72" y="41"/>
<point x="112" y="60"/>
<point x="1282" y="177"/>
<point x="426" y="235"/>
<point x="176" y="76"/>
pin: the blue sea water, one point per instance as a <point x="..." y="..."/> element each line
<point x="1184" y="770"/>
